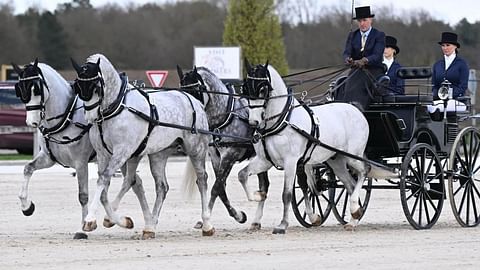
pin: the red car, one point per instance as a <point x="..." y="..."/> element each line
<point x="14" y="132"/>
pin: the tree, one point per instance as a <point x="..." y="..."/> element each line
<point x="51" y="41"/>
<point x="253" y="25"/>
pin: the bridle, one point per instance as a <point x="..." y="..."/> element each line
<point x="86" y="87"/>
<point x="25" y="86"/>
<point x="257" y="87"/>
<point x="196" y="89"/>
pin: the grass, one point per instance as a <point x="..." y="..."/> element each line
<point x="15" y="157"/>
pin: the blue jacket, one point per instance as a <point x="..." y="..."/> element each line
<point x="373" y="48"/>
<point x="397" y="85"/>
<point x="456" y="74"/>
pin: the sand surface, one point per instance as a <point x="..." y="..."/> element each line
<point x="383" y="240"/>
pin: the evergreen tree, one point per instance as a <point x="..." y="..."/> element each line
<point x="253" y="25"/>
<point x="52" y="42"/>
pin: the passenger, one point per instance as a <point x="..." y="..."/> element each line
<point x="364" y="52"/>
<point x="452" y="68"/>
<point x="397" y="85"/>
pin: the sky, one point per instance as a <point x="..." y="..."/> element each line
<point x="451" y="11"/>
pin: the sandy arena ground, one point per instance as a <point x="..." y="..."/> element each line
<point x="384" y="239"/>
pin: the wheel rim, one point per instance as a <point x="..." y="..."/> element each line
<point x="463" y="184"/>
<point x="421" y="186"/>
<point x="319" y="203"/>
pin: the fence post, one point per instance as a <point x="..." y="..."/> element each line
<point x="472" y="88"/>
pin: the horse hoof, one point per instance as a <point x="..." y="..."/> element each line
<point x="209" y="232"/>
<point x="107" y="223"/>
<point x="349" y="227"/>
<point x="80" y="235"/>
<point x="243" y="219"/>
<point x="148" y="235"/>
<point x="198" y="226"/>
<point x="317" y="222"/>
<point x="30" y="210"/>
<point x="357" y="214"/>
<point x="89" y="226"/>
<point x="255" y="226"/>
<point x="259" y="196"/>
<point x="278" y="231"/>
<point x="129" y="223"/>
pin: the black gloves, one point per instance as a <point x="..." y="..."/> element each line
<point x="360" y="63"/>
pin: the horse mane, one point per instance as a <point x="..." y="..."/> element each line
<point x="278" y="85"/>
<point x="52" y="78"/>
<point x="109" y="73"/>
<point x="212" y="80"/>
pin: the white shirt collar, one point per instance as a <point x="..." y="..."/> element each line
<point x="366" y="32"/>
<point x="388" y="62"/>
<point x="449" y="59"/>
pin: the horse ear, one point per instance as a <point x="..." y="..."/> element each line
<point x="17" y="69"/>
<point x="179" y="72"/>
<point x="195" y="69"/>
<point x="266" y="64"/>
<point x="77" y="68"/>
<point x="98" y="62"/>
<point x="247" y="65"/>
<point x="35" y="63"/>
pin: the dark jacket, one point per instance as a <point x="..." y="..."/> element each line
<point x="456" y="74"/>
<point x="397" y="85"/>
<point x="373" y="48"/>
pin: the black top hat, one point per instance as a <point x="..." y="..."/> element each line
<point x="363" y="12"/>
<point x="392" y="43"/>
<point x="449" y="37"/>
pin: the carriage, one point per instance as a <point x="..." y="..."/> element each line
<point x="428" y="150"/>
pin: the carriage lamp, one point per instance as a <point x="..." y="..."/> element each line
<point x="445" y="91"/>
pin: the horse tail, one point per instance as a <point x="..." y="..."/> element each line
<point x="189" y="182"/>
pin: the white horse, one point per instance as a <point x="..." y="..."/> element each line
<point x="129" y="125"/>
<point x="58" y="113"/>
<point x="284" y="125"/>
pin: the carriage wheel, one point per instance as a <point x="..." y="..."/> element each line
<point x="341" y="200"/>
<point x="463" y="181"/>
<point x="422" y="190"/>
<point x="318" y="201"/>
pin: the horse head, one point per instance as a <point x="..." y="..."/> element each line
<point x="257" y="87"/>
<point x="193" y="83"/>
<point x="31" y="91"/>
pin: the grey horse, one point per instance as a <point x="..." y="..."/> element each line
<point x="130" y="124"/>
<point x="227" y="115"/>
<point x="58" y="114"/>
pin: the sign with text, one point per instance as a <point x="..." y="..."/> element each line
<point x="225" y="62"/>
<point x="157" y="77"/>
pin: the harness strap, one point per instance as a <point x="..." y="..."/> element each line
<point x="151" y="125"/>
<point x="230" y="108"/>
<point x="314" y="132"/>
<point x="194" y="114"/>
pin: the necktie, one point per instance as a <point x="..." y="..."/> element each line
<point x="364" y="40"/>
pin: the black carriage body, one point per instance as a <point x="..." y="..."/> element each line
<point x="399" y="122"/>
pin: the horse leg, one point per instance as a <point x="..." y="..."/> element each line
<point x="41" y="161"/>
<point x="82" y="177"/>
<point x="158" y="162"/>
<point x="255" y="166"/>
<point x="104" y="175"/>
<point x="290" y="168"/>
<point x="339" y="167"/>
<point x="263" y="184"/>
<point x="222" y="167"/>
<point x="306" y="172"/>
<point x="355" y="209"/>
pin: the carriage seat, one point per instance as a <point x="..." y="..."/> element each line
<point x="408" y="99"/>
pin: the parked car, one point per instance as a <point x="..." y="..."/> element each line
<point x="14" y="132"/>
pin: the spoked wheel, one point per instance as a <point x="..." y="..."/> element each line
<point x="422" y="190"/>
<point x="341" y="200"/>
<point x="318" y="200"/>
<point x="463" y="179"/>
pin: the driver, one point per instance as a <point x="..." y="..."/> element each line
<point x="364" y="52"/>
